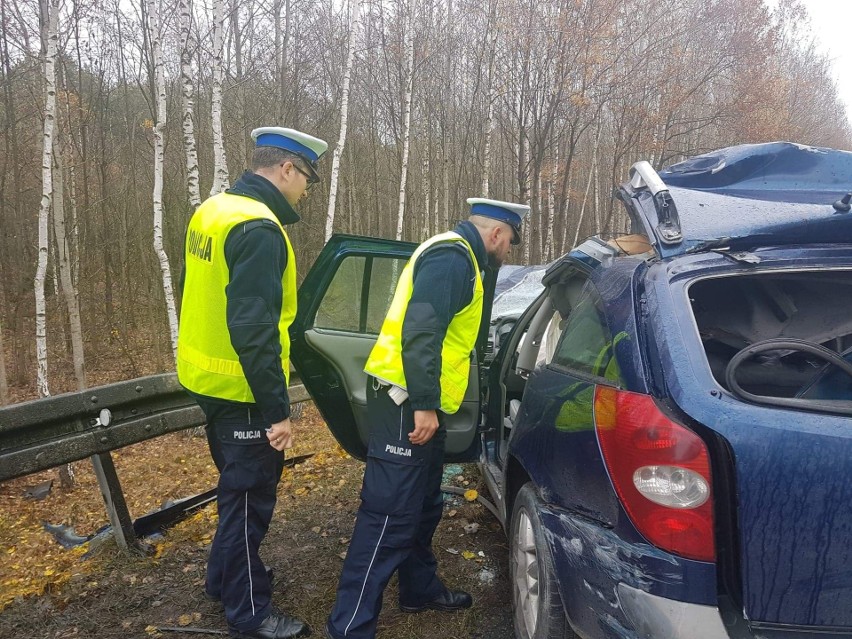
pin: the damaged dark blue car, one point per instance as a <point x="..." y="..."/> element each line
<point x="666" y="428"/>
<point x="676" y="459"/>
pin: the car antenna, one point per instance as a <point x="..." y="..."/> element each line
<point x="842" y="205"/>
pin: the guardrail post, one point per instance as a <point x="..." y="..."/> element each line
<point x="119" y="515"/>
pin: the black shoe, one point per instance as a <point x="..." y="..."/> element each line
<point x="275" y="626"/>
<point x="447" y="601"/>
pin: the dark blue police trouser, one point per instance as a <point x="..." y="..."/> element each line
<point x="249" y="470"/>
<point x="401" y="505"/>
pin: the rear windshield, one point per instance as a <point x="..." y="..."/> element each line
<point x="779" y="335"/>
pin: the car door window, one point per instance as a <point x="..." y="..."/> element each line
<point x="359" y="295"/>
<point x="339" y="309"/>
<point x="586" y="345"/>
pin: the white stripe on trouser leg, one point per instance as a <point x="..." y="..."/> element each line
<point x="400" y="423"/>
<point x="367" y="576"/>
<point x="248" y="557"/>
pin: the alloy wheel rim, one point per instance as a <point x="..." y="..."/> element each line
<point x="526" y="576"/>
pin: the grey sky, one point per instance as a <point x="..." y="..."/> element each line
<point x="830" y="20"/>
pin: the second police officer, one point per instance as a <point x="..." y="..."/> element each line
<point x="417" y="373"/>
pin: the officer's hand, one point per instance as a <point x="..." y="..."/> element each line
<point x="280" y="435"/>
<point x="425" y="425"/>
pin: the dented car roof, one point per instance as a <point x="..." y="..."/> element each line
<point x="744" y="197"/>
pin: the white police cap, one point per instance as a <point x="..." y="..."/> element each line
<point x="305" y="146"/>
<point x="508" y="212"/>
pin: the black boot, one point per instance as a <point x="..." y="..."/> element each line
<point x="447" y="601"/>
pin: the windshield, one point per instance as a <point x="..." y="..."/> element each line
<point x="517" y="287"/>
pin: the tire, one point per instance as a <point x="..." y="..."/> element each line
<point x="536" y="605"/>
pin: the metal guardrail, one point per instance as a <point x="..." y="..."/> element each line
<point x="47" y="432"/>
<point x="44" y="433"/>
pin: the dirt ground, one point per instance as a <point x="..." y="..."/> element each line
<point x="94" y="591"/>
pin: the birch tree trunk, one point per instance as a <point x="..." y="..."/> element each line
<point x="426" y="198"/>
<point x="539" y="215"/>
<point x="357" y="223"/>
<point x="406" y="121"/>
<point x="551" y="205"/>
<point x="486" y="153"/>
<point x="51" y="260"/>
<point x="49" y="36"/>
<point x="188" y="102"/>
<point x="492" y="96"/>
<point x="344" y="118"/>
<point x="596" y="194"/>
<point x="159" y="125"/>
<point x="220" y="162"/>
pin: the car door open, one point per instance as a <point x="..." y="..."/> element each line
<point x="342" y="304"/>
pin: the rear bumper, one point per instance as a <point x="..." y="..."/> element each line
<point x="656" y="617"/>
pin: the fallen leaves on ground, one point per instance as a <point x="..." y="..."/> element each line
<point x="63" y="596"/>
<point x="151" y="473"/>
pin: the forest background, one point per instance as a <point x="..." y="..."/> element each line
<point x="119" y="116"/>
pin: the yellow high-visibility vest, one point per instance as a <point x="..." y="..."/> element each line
<point x="385" y="361"/>
<point x="207" y="364"/>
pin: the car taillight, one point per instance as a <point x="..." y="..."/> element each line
<point x="660" y="470"/>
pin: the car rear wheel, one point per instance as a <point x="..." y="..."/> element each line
<point x="538" y="612"/>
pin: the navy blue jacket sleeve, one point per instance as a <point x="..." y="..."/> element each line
<point x="256" y="256"/>
<point x="443" y="285"/>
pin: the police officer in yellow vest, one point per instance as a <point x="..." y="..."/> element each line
<point x="418" y="372"/>
<point x="239" y="299"/>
